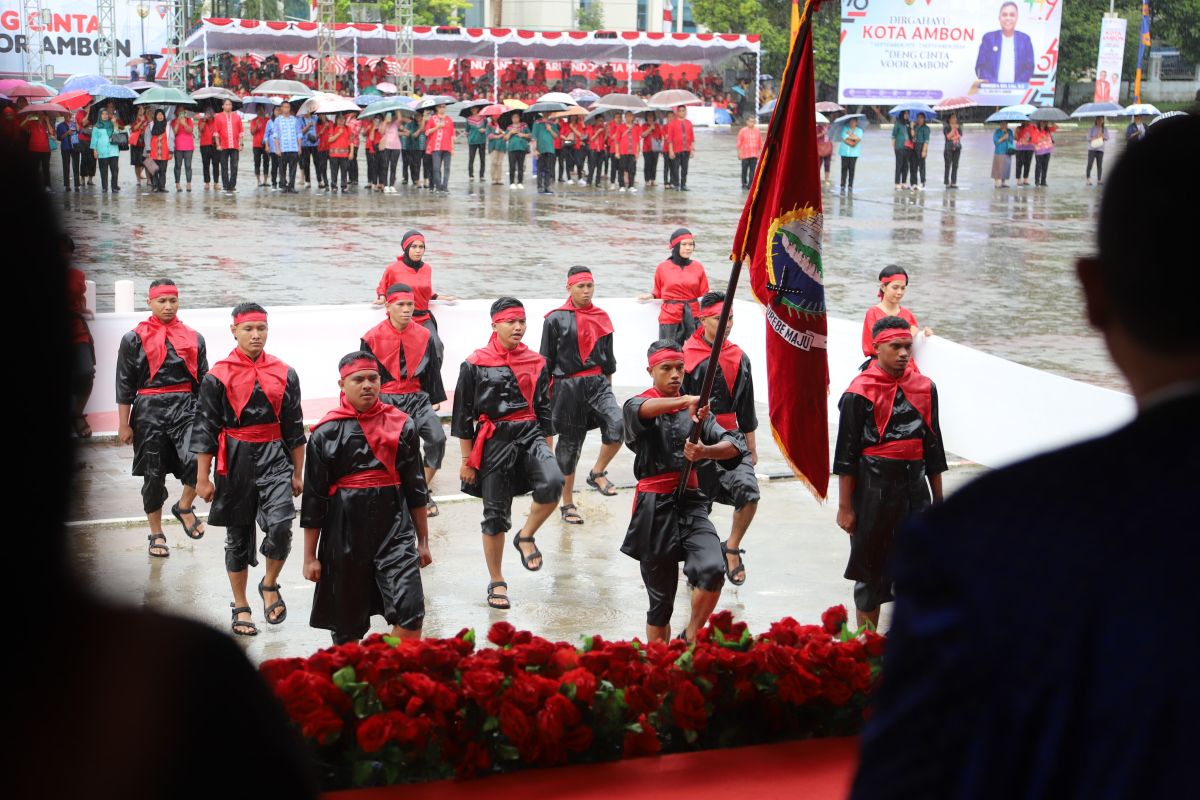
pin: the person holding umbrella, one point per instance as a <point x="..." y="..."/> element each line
<point x="37" y="128"/>
<point x="258" y="132"/>
<point x="87" y="158"/>
<point x="496" y="151"/>
<point x="160" y="151"/>
<point x="1043" y="148"/>
<point x="1002" y="142"/>
<point x="517" y="137"/>
<point x="597" y="150"/>
<point x="392" y="145"/>
<point x="681" y="141"/>
<point x="920" y="151"/>
<point x="901" y="146"/>
<point x="137" y="143"/>
<point x="545" y="131"/>
<point x="652" y="145"/>
<point x="106" y="152"/>
<point x="209" y="163"/>
<point x="228" y="139"/>
<point x="952" y="135"/>
<point x="1097" y="140"/>
<point x="339" y="154"/>
<point x="67" y="134"/>
<point x="183" y="126"/>
<point x="1023" y="144"/>
<point x="477" y="142"/>
<point x="439" y="130"/>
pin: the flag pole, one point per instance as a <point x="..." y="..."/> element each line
<point x="710" y="373"/>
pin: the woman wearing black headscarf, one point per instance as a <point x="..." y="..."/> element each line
<point x="679" y="282"/>
<point x="159" y="151"/>
<point x="412" y="269"/>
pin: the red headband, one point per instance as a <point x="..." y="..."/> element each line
<point x="415" y="237"/>
<point x="516" y="312"/>
<point x="666" y="354"/>
<point x="890" y="334"/>
<point x="166" y="288"/>
<point x="893" y="278"/>
<point x="683" y="237"/>
<point x="396" y="297"/>
<point x="250" y="316"/>
<point x="580" y="277"/>
<point x="713" y="310"/>
<point x="357" y="365"/>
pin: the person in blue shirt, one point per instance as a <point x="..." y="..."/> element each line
<point x="288" y="142"/>
<point x="269" y="146"/>
<point x="308" y="147"/>
<point x="67" y="134"/>
<point x="1006" y="55"/>
<point x="848" y="152"/>
<point x="1002" y="140"/>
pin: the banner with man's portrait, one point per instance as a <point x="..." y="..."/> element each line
<point x="1109" y="60"/>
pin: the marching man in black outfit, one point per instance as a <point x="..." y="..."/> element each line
<point x="365" y="533"/>
<point x="250" y="421"/>
<point x="503" y="422"/>
<point x="662" y="532"/>
<point x="160" y="365"/>
<point x="577" y="344"/>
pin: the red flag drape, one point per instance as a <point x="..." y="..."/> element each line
<point x="779" y="238"/>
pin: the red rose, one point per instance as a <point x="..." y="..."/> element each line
<point x="584" y="683"/>
<point x="578" y="739"/>
<point x="641" y="700"/>
<point x="476" y="759"/>
<point x="402" y="728"/>
<point x="322" y="725"/>
<point x="537" y="653"/>
<point x="515" y="724"/>
<point x="721" y="621"/>
<point x="501" y="634"/>
<point x="687" y="708"/>
<point x="298" y="695"/>
<point x="641" y="743"/>
<point x="276" y="669"/>
<point x="565" y="658"/>
<point x="558" y="714"/>
<point x="481" y="685"/>
<point x="874" y="643"/>
<point x="373" y="733"/>
<point x="833" y="619"/>
<point x="798" y="686"/>
<point x="838" y="693"/>
<point x="421" y="685"/>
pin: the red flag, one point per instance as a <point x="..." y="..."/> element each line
<point x="779" y="236"/>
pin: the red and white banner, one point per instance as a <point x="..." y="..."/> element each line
<point x="1109" y="60"/>
<point x="69" y="41"/>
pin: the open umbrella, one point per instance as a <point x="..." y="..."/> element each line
<point x="141" y="86"/>
<point x="73" y="101"/>
<point x="113" y="92"/>
<point x="821" y="118"/>
<point x="43" y="108"/>
<point x="543" y="108"/>
<point x="765" y="77"/>
<point x="599" y="112"/>
<point x="471" y="106"/>
<point x="365" y="100"/>
<point x="913" y="109"/>
<point x="433" y="101"/>
<point x="835" y="128"/>
<point x="625" y="102"/>
<point x="584" y="97"/>
<point x="955" y="104"/>
<point x="1135" y="110"/>
<point x="251" y="104"/>
<point x="512" y="102"/>
<point x="1048" y="115"/>
<point x="570" y="111"/>
<point x="739" y="90"/>
<point x="215" y="93"/>
<point x="283" y="87"/>
<point x="769" y="107"/>
<point x="5" y="98"/>
<point x="387" y="88"/>
<point x="325" y="103"/>
<point x="674" y="97"/>
<point x="31" y="90"/>
<point x="558" y="97"/>
<point x="829" y="107"/>
<point x="135" y="62"/>
<point x="1168" y="115"/>
<point x="371" y="90"/>
<point x="8" y="84"/>
<point x="392" y="105"/>
<point x="84" y="83"/>
<point x="493" y="111"/>
<point x="1089" y="110"/>
<point x="1010" y="114"/>
<point x="164" y="96"/>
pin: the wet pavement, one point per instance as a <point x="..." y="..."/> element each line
<point x="993" y="269"/>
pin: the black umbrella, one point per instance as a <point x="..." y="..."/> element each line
<point x="543" y="108"/>
<point x="471" y="105"/>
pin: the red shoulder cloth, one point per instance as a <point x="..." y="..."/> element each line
<point x="382" y="425"/>
<point x="386" y="343"/>
<point x="591" y="324"/>
<point x="155" y="334"/>
<point x="880" y="389"/>
<point x="526" y="364"/>
<point x="696" y="349"/>
<point x="239" y="374"/>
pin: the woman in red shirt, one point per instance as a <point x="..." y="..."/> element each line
<point x="160" y="151"/>
<point x="412" y="269"/>
<point x="439" y="143"/>
<point x="184" y="128"/>
<point x="321" y="160"/>
<point x="258" y="129"/>
<point x="652" y="145"/>
<point x="893" y="283"/>
<point x="208" y="150"/>
<point x="339" y="153"/>
<point x="37" y="128"/>
<point x="597" y="152"/>
<point x="137" y="143"/>
<point x="679" y="282"/>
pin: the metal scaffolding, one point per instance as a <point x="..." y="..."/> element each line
<point x="106" y="38"/>
<point x="326" y="46"/>
<point x="176" y="20"/>
<point x="35" y="61"/>
<point x="404" y="46"/>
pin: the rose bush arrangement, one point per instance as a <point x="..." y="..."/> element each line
<point x="385" y="711"/>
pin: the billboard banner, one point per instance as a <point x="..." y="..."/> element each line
<point x="69" y="30"/>
<point x="999" y="52"/>
<point x="1109" y="60"/>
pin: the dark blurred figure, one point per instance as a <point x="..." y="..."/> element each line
<point x="1042" y="645"/>
<point x="111" y="703"/>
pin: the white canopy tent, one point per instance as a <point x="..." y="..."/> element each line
<point x="241" y="36"/>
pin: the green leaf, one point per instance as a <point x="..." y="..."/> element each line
<point x="491" y="724"/>
<point x="508" y="752"/>
<point x="569" y="690"/>
<point x="363" y="770"/>
<point x="392" y="640"/>
<point x="469" y="636"/>
<point x="588" y="643"/>
<point x="634" y="727"/>
<point x="691" y="736"/>
<point x="343" y="678"/>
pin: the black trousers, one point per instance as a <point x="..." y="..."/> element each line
<point x="1094" y="156"/>
<point x="426" y="160"/>
<point x="42" y="164"/>
<point x="338" y="169"/>
<point x="472" y="151"/>
<point x="306" y="158"/>
<point x="595" y="159"/>
<point x="229" y="168"/>
<point x="950" y="157"/>
<point x="679" y="169"/>
<point x="321" y="160"/>
<point x="917" y="168"/>
<point x="1024" y="160"/>
<point x="545" y="176"/>
<point x="580" y="403"/>
<point x="848" y="164"/>
<point x="87" y="163"/>
<point x="516" y="166"/>
<point x="183" y="162"/>
<point x="108" y="166"/>
<point x="209" y="163"/>
<point x="614" y="167"/>
<point x="261" y="161"/>
<point x="649" y="166"/>
<point x="370" y="168"/>
<point x="1040" y="169"/>
<point x="274" y="169"/>
<point x="159" y="181"/>
<point x="748" y="167"/>
<point x="627" y="170"/>
<point x="287" y="169"/>
<point x="70" y="160"/>
<point x="901" y="172"/>
<point x="352" y="167"/>
<point x="410" y="166"/>
<point x="387" y="166"/>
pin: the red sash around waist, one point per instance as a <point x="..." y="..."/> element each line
<point x="175" y="388"/>
<point x="401" y="386"/>
<point x="266" y="432"/>
<point x="728" y="421"/>
<point x="487" y="429"/>
<point x="585" y="373"/>
<point x="664" y="483"/>
<point x="367" y="479"/>
<point x="898" y="450"/>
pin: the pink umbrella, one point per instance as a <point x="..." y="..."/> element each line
<point x="29" y="90"/>
<point x="43" y="108"/>
<point x="73" y="100"/>
<point x="387" y="88"/>
<point x="8" y="84"/>
<point x="955" y="103"/>
<point x="828" y="107"/>
<point x="494" y="111"/>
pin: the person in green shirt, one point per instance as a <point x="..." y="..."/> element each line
<point x="107" y="153"/>
<point x="496" y="151"/>
<point x="920" y="151"/>
<point x="516" y="137"/>
<point x="545" y="131"/>
<point x="477" y="141"/>
<point x="902" y="146"/>
<point x="418" y="157"/>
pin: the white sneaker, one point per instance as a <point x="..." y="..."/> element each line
<point x="570" y="182"/>
<point x="520" y="186"/>
<point x="620" y="188"/>
<point x="632" y="188"/>
<point x="512" y="186"/>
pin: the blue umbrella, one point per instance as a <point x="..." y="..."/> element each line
<point x="1008" y="115"/>
<point x="836" y="127"/>
<point x="913" y="109"/>
<point x="1097" y="110"/>
<point x="250" y="105"/>
<point x="364" y="100"/>
<point x="1140" y="110"/>
<point x="739" y="90"/>
<point x="766" y="108"/>
<point x="85" y="83"/>
<point x="111" y="92"/>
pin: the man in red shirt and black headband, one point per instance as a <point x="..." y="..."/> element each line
<point x="663" y="532"/>
<point x="889" y="446"/>
<point x="160" y="365"/>
<point x="249" y="420"/>
<point x="365" y="533"/>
